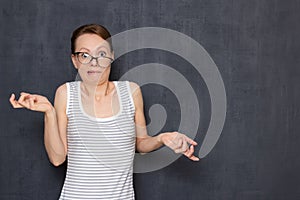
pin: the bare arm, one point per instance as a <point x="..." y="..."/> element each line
<point x="55" y="121"/>
<point x="55" y="136"/>
<point x="145" y="143"/>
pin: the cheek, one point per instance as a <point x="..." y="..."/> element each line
<point x="107" y="70"/>
<point x="80" y="66"/>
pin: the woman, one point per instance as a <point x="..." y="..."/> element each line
<point x="97" y="123"/>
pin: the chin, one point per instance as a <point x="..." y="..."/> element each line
<point x="93" y="81"/>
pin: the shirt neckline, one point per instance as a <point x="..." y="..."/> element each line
<point x="99" y="118"/>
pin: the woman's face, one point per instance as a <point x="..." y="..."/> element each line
<point x="97" y="71"/>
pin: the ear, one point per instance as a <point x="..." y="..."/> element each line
<point x="74" y="61"/>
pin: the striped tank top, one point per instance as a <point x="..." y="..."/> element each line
<point x="100" y="150"/>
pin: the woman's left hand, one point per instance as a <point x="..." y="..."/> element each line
<point x="179" y="143"/>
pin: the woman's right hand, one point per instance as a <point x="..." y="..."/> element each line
<point x="33" y="102"/>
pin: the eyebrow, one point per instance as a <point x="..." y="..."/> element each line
<point x="82" y="48"/>
<point x="102" y="46"/>
<point x="98" y="48"/>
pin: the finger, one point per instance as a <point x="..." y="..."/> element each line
<point x="190" y="155"/>
<point x="39" y="98"/>
<point x="22" y="100"/>
<point x="190" y="141"/>
<point x="32" y="95"/>
<point x="12" y="97"/>
<point x="184" y="147"/>
<point x="189" y="152"/>
<point x="24" y="93"/>
<point x="13" y="102"/>
<point x="31" y="104"/>
<point x="23" y="104"/>
<point x="194" y="158"/>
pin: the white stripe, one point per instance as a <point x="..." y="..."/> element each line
<point x="100" y="150"/>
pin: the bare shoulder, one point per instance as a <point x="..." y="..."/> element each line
<point x="133" y="84"/>
<point x="134" y="88"/>
<point x="61" y="91"/>
<point x="60" y="100"/>
<point x="136" y="95"/>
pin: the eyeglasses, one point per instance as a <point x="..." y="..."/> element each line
<point x="85" y="58"/>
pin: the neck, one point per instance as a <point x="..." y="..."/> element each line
<point x="99" y="90"/>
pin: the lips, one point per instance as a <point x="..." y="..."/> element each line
<point x="93" y="72"/>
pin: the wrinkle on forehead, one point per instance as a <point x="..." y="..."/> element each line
<point x="96" y="49"/>
<point x="88" y="41"/>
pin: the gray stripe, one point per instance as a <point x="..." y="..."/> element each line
<point x="100" y="152"/>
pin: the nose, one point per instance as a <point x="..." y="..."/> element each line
<point x="94" y="62"/>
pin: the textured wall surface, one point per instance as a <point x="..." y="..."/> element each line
<point x="255" y="45"/>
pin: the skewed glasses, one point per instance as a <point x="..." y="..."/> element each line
<point x="102" y="60"/>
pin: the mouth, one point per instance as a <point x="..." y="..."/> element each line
<point x="91" y="72"/>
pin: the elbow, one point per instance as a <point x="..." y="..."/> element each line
<point x="140" y="149"/>
<point x="56" y="157"/>
<point x="57" y="163"/>
<point x="141" y="145"/>
<point x="58" y="160"/>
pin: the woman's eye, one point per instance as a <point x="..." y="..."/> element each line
<point x="102" y="53"/>
<point x="85" y="55"/>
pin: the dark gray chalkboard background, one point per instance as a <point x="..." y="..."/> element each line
<point x="255" y="45"/>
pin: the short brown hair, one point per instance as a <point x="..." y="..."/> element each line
<point x="91" y="29"/>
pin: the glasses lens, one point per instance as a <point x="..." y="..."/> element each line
<point x="104" y="62"/>
<point x="84" y="58"/>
